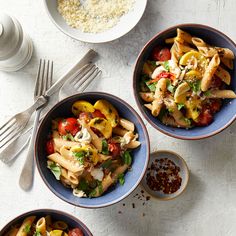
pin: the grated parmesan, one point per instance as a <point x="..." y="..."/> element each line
<point x="93" y="16"/>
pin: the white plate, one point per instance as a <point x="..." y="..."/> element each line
<point x="126" y="23"/>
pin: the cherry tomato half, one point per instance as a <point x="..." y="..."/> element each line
<point x="76" y="232"/>
<point x="49" y="147"/>
<point x="114" y="148"/>
<point x="69" y="125"/>
<point x="99" y="114"/>
<point x="161" y="54"/>
<point x="205" y="118"/>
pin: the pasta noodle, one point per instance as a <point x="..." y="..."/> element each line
<point x="90" y="147"/>
<point x="41" y="226"/>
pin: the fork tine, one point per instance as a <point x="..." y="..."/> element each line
<point x="81" y="86"/>
<point x="50" y="75"/>
<point x="85" y="76"/>
<point x="90" y="79"/>
<point x="9" y="126"/>
<point x="79" y="75"/>
<point x="11" y="138"/>
<point x="9" y="134"/>
<point x="38" y="85"/>
<point x="45" y="77"/>
<point x="9" y="122"/>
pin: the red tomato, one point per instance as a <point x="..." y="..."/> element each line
<point x="159" y="54"/>
<point x="49" y="147"/>
<point x="205" y="118"/>
<point x="114" y="148"/>
<point x="99" y="114"/>
<point x="85" y="116"/>
<point x="215" y="105"/>
<point x="162" y="75"/>
<point x="76" y="232"/>
<point x="69" y="125"/>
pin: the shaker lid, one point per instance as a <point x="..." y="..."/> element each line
<point x="10" y="38"/>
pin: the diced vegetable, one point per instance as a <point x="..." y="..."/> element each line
<point x="82" y="106"/>
<point x="108" y="110"/>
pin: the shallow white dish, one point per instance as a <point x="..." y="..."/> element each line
<point x="184" y="174"/>
<point x="126" y="23"/>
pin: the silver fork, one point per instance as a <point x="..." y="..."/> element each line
<point x="80" y="81"/>
<point x="43" y="83"/>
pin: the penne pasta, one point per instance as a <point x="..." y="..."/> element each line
<point x="228" y="63"/>
<point x="119" y="131"/>
<point x="223" y="75"/>
<point x="184" y="35"/>
<point x="27" y="223"/>
<point x="60" y="225"/>
<point x="222" y="94"/>
<point x="147" y="97"/>
<point x="126" y="124"/>
<point x="225" y="53"/>
<point x="73" y="166"/>
<point x="133" y="144"/>
<point x="41" y="226"/>
<point x="210" y="70"/>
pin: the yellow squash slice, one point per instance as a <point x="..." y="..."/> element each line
<point x="193" y="108"/>
<point x="192" y="54"/>
<point x="103" y="125"/>
<point x="82" y="106"/>
<point x="57" y="233"/>
<point x="108" y="110"/>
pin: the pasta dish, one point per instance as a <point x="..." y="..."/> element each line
<point x="44" y="226"/>
<point x="90" y="151"/>
<point x="183" y="84"/>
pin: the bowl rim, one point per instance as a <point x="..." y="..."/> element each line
<point x="89" y="41"/>
<point x="49" y="211"/>
<point x="186" y="168"/>
<point x="154" y="125"/>
<point x="146" y="138"/>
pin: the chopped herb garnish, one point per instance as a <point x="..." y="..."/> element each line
<point x="80" y="156"/>
<point x="152" y="86"/>
<point x="37" y="233"/>
<point x="100" y="189"/>
<point x="105" y="150"/>
<point x="207" y="93"/>
<point x="27" y="228"/>
<point x="121" y="178"/>
<point x="195" y="85"/>
<point x="93" y="193"/>
<point x="83" y="185"/>
<point x="170" y="87"/>
<point x="162" y="113"/>
<point x="180" y="106"/>
<point x="188" y="121"/>
<point x="166" y="65"/>
<point x="106" y="164"/>
<point x="126" y="157"/>
<point x="68" y="137"/>
<point x="55" y="169"/>
<point x="153" y="63"/>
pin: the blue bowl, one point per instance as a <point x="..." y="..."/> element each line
<point x="55" y="214"/>
<point x="115" y="193"/>
<point x="223" y="118"/>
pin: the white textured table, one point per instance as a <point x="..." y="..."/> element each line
<point x="208" y="207"/>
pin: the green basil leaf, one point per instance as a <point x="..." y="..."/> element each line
<point x="37" y="233"/>
<point x="100" y="189"/>
<point x="80" y="156"/>
<point x="55" y="169"/>
<point x="106" y="164"/>
<point x="166" y="65"/>
<point x="27" y="228"/>
<point x="68" y="137"/>
<point x="207" y="93"/>
<point x="83" y="185"/>
<point x="121" y="178"/>
<point x="170" y="87"/>
<point x="152" y="86"/>
<point x="180" y="106"/>
<point x="195" y="85"/>
<point x="105" y="150"/>
<point x="188" y="121"/>
<point x="127" y="158"/>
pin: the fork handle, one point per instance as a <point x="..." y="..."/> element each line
<point x="37" y="104"/>
<point x="27" y="173"/>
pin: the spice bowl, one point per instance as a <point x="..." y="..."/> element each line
<point x="167" y="175"/>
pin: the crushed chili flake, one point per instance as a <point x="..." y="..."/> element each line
<point x="164" y="176"/>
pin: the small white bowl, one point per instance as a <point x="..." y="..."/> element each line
<point x="184" y="174"/>
<point x="126" y="23"/>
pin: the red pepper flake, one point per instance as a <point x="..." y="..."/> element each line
<point x="164" y="176"/>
